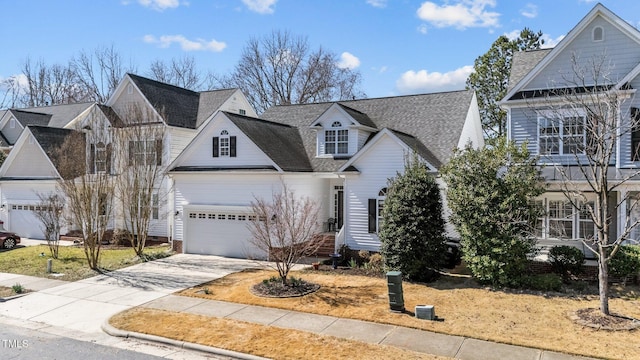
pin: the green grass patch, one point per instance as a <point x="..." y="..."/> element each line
<point x="71" y="264"/>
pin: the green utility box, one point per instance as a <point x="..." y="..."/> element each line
<point x="396" y="299"/>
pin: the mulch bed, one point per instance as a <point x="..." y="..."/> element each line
<point x="594" y="318"/>
<point x="276" y="289"/>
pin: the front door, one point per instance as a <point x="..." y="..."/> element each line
<point x="338" y="206"/>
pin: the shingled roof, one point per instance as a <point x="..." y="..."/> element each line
<point x="523" y="62"/>
<point x="433" y="120"/>
<point x="177" y="106"/>
<point x="51" y="140"/>
<point x="26" y="118"/>
<point x="211" y="101"/>
<point x="59" y="115"/>
<point x="281" y="142"/>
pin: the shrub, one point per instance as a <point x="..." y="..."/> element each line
<point x="626" y="262"/>
<point x="566" y="260"/>
<point x="489" y="192"/>
<point x="412" y="233"/>
<point x="543" y="282"/>
<point x="17" y="288"/>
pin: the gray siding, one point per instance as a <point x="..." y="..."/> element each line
<point x="618" y="48"/>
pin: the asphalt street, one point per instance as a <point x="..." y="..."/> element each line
<point x="28" y="344"/>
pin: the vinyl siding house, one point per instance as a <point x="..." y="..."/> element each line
<point x="341" y="154"/>
<point x="535" y="116"/>
<point x="33" y="134"/>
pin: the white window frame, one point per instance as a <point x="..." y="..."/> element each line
<point x="382" y="196"/>
<point x="555" y="137"/>
<point x="336" y="139"/>
<point x="144" y="152"/>
<point x="224" y="144"/>
<point x="579" y="219"/>
<point x="100" y="157"/>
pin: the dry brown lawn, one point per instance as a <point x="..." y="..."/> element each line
<point x="528" y="319"/>
<point x="254" y="339"/>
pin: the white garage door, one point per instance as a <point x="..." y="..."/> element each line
<point x="220" y="232"/>
<point x="23" y="222"/>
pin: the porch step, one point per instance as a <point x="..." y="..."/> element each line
<point x="328" y="244"/>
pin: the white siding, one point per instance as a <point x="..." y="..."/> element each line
<point x="176" y="140"/>
<point x="380" y="163"/>
<point x="30" y="161"/>
<point x="234" y="189"/>
<point x="200" y="151"/>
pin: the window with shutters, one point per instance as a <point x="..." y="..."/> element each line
<point x="100" y="158"/>
<point x="145" y="152"/>
<point x="224" y="145"/>
<point x="375" y="211"/>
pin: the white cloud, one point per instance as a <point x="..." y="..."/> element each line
<point x="348" y="61"/>
<point x="412" y="82"/>
<point x="549" y="42"/>
<point x="461" y="14"/>
<point x="422" y="29"/>
<point x="165" y="41"/>
<point x="530" y="11"/>
<point x="260" y="6"/>
<point x="160" y="5"/>
<point x="377" y="3"/>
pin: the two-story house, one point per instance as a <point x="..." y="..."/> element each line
<point x="34" y="135"/>
<point x="553" y="99"/>
<point x="341" y="154"/>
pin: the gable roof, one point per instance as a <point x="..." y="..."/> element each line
<point x="51" y="139"/>
<point x="523" y="62"/>
<point x="598" y="10"/>
<point x="280" y="142"/>
<point x="435" y="120"/>
<point x="59" y="115"/>
<point x="210" y="101"/>
<point x="176" y="105"/>
<point x="26" y="118"/>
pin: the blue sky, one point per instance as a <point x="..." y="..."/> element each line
<point x="399" y="46"/>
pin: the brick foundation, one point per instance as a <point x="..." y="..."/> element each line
<point x="177" y="246"/>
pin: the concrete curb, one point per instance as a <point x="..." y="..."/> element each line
<point x="3" y="299"/>
<point x="110" y="330"/>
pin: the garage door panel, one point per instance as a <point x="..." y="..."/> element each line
<point x="222" y="233"/>
<point x="24" y="222"/>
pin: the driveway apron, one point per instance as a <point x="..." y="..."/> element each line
<point x="86" y="304"/>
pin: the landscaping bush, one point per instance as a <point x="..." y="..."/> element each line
<point x="543" y="282"/>
<point x="412" y="233"/>
<point x="566" y="260"/>
<point x="375" y="263"/>
<point x="625" y="264"/>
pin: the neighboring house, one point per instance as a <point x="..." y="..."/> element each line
<point x="14" y="121"/>
<point x="30" y="168"/>
<point x="561" y="140"/>
<point x="342" y="154"/>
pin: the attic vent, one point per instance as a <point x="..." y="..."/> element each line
<point x="130" y="89"/>
<point x="598" y="33"/>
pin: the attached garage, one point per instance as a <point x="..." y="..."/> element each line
<point x="24" y="222"/>
<point x="217" y="230"/>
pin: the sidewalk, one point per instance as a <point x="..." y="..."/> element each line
<point x="85" y="306"/>
<point x="416" y="340"/>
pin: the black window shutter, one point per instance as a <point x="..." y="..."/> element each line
<point x="92" y="159"/>
<point x="215" y="146"/>
<point x="131" y="152"/>
<point x="232" y="146"/>
<point x="373" y="207"/>
<point x="159" y="152"/>
<point x="108" y="164"/>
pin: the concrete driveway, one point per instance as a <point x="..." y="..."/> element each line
<point x="84" y="305"/>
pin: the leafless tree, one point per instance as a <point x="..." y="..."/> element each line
<point x="280" y="69"/>
<point x="100" y="72"/>
<point x="89" y="194"/>
<point x="50" y="213"/>
<point x="286" y="228"/>
<point x="140" y="175"/>
<point x="11" y="92"/>
<point x="590" y="180"/>
<point x="181" y="72"/>
<point x="50" y="85"/>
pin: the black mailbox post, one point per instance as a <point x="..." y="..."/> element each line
<point x="396" y="298"/>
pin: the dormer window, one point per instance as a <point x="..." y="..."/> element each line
<point x="224" y="145"/>
<point x="598" y="33"/>
<point x="336" y="139"/>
